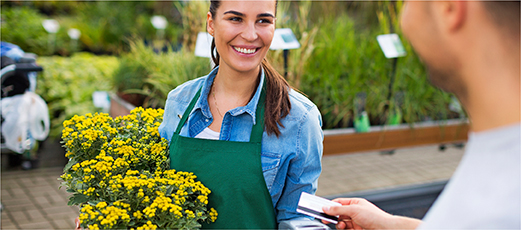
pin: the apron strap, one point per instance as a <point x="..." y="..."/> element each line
<point x="187" y="112"/>
<point x="258" y="128"/>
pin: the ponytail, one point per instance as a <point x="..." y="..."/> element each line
<point x="277" y="99"/>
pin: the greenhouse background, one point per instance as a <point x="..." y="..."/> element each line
<point x="339" y="56"/>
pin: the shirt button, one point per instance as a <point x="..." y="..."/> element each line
<point x="207" y="120"/>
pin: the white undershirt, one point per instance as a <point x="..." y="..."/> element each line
<point x="207" y="133"/>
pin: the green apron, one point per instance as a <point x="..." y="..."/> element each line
<point x="231" y="170"/>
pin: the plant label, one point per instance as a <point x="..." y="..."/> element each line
<point x="391" y="45"/>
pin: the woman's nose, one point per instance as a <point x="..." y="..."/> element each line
<point x="249" y="33"/>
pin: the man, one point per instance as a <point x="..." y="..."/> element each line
<point x="471" y="49"/>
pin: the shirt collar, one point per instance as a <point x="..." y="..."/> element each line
<point x="250" y="108"/>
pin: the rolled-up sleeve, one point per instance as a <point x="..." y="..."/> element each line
<point x="166" y="129"/>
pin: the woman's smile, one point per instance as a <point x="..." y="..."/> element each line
<point x="246" y="50"/>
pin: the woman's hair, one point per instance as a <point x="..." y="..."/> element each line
<point x="277" y="88"/>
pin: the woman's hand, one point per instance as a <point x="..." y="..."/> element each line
<point x="77" y="222"/>
<point x="357" y="213"/>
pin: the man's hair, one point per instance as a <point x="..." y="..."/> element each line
<point x="505" y="14"/>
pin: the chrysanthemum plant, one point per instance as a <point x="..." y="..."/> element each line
<point x="118" y="173"/>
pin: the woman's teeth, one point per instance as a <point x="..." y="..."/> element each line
<point x="244" y="50"/>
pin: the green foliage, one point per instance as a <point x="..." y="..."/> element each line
<point x="67" y="84"/>
<point x="194" y="20"/>
<point x="347" y="61"/>
<point x="104" y="25"/>
<point x="23" y="27"/>
<point x="339" y="55"/>
<point x="153" y="75"/>
<point x="101" y="33"/>
<point x="343" y="64"/>
<point x="305" y="32"/>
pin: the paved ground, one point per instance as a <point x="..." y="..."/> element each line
<point x="32" y="200"/>
<point x="371" y="170"/>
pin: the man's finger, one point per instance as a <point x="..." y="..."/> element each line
<point x="341" y="225"/>
<point x="346" y="210"/>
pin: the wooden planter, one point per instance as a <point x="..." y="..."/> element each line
<point x="119" y="107"/>
<point x="340" y="141"/>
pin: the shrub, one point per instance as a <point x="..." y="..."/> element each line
<point x="23" y="26"/>
<point x="347" y="61"/>
<point x="153" y="74"/>
<point x="67" y="84"/>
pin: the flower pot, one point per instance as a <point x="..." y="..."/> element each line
<point x="119" y="106"/>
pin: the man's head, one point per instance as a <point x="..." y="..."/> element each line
<point x="444" y="32"/>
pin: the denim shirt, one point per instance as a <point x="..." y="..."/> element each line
<point x="291" y="163"/>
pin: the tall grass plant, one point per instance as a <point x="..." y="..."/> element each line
<point x="146" y="72"/>
<point x="347" y="60"/>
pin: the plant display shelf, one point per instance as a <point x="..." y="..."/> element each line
<point x="380" y="138"/>
<point x="342" y="141"/>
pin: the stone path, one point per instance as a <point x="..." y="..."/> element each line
<point x="32" y="199"/>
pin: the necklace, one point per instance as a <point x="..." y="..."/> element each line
<point x="215" y="103"/>
<point x="217" y="107"/>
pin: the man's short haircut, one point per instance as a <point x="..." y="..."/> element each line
<point x="505" y="14"/>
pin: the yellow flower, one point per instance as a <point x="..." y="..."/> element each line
<point x="213" y="214"/>
<point x="122" y="168"/>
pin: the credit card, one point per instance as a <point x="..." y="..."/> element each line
<point x="312" y="206"/>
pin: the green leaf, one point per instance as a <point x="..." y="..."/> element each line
<point x="161" y="223"/>
<point x="77" y="199"/>
<point x="169" y="190"/>
<point x="69" y="165"/>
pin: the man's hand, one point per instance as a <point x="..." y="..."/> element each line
<point x="357" y="213"/>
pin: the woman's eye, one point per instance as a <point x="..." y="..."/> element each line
<point x="264" y="21"/>
<point x="235" y="19"/>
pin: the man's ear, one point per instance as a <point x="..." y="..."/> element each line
<point x="209" y="23"/>
<point x="453" y="14"/>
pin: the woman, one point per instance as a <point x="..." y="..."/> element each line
<point x="249" y="137"/>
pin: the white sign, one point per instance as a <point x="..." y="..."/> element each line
<point x="51" y="26"/>
<point x="284" y="39"/>
<point x="159" y="22"/>
<point x="101" y="99"/>
<point x="391" y="45"/>
<point x="74" y="33"/>
<point x="203" y="45"/>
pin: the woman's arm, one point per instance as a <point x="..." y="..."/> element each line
<point x="304" y="169"/>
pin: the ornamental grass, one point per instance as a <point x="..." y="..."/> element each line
<point x="118" y="174"/>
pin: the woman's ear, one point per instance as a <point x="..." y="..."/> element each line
<point x="209" y="23"/>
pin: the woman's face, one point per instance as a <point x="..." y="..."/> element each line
<point x="243" y="31"/>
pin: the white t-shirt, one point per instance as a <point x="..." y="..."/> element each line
<point x="485" y="191"/>
<point x="207" y="133"/>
